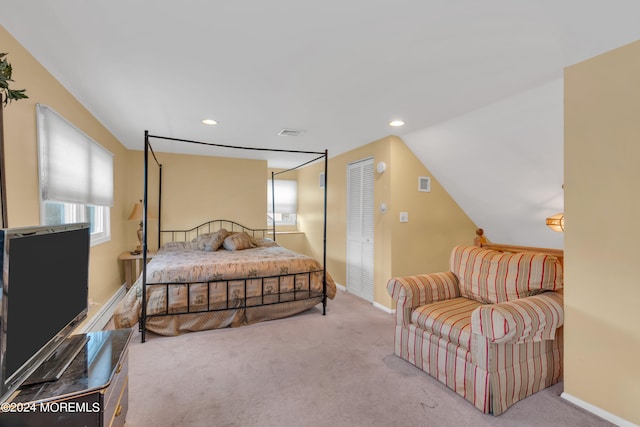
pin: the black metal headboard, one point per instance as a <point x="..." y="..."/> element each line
<point x="210" y="227"/>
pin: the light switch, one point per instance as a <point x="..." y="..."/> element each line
<point x="404" y="216"/>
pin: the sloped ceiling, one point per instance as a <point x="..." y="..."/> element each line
<point x="503" y="164"/>
<point x="478" y="83"/>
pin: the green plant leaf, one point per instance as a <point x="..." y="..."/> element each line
<point x="8" y="94"/>
<point x="17" y="94"/>
<point x="5" y="70"/>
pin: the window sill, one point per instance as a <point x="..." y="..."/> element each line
<point x="98" y="240"/>
<point x="286" y="232"/>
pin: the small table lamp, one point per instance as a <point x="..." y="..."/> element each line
<point x="136" y="215"/>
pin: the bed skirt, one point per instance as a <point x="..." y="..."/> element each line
<point x="178" y="324"/>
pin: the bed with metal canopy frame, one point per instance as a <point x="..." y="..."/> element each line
<point x="214" y="299"/>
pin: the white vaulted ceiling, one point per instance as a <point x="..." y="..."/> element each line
<point x="478" y="83"/>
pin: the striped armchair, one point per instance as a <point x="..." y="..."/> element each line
<point x="488" y="328"/>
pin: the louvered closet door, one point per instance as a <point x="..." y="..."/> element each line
<point x="360" y="229"/>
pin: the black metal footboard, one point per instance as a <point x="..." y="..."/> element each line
<point x="175" y="298"/>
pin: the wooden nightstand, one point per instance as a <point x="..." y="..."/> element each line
<point x="133" y="265"/>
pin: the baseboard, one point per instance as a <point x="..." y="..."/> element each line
<point x="375" y="304"/>
<point x="598" y="411"/>
<point x="384" y="308"/>
<point x="104" y="314"/>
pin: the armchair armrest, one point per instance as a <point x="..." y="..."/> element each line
<point x="533" y="318"/>
<point x="413" y="291"/>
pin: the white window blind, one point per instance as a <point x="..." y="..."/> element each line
<point x="73" y="167"/>
<point x="286" y="197"/>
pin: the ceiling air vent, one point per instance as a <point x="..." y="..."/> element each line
<point x="291" y="132"/>
<point x="424" y="183"/>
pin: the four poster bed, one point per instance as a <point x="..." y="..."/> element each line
<point x="221" y="273"/>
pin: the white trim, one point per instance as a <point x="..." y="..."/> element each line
<point x="103" y="236"/>
<point x="598" y="411"/>
<point x="384" y="308"/>
<point x="375" y="304"/>
<point x="103" y="315"/>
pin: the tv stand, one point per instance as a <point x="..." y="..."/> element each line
<point x="92" y="391"/>
<point x="55" y="365"/>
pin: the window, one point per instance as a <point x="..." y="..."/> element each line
<point x="65" y="213"/>
<point x="286" y="202"/>
<point x="76" y="176"/>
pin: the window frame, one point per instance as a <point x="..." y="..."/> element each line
<point x="78" y="212"/>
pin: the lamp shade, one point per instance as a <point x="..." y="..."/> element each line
<point x="556" y="222"/>
<point x="136" y="212"/>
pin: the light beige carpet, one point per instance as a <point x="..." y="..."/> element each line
<point x="309" y="370"/>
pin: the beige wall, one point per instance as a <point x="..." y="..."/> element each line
<point x="310" y="211"/>
<point x="196" y="189"/>
<point x="22" y="162"/>
<point x="422" y="245"/>
<point x="602" y="177"/>
<point x="436" y="222"/>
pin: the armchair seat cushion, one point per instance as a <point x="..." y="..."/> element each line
<point x="448" y="319"/>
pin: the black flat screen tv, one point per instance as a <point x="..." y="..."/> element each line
<point x="45" y="275"/>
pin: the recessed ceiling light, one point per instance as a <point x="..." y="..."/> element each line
<point x="396" y="123"/>
<point x="209" y="122"/>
